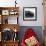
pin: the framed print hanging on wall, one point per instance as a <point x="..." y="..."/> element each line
<point x="29" y="13"/>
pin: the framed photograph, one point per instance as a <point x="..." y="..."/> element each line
<point x="30" y="13"/>
<point x="5" y="12"/>
<point x="13" y="12"/>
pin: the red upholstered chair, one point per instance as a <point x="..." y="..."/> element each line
<point x="28" y="34"/>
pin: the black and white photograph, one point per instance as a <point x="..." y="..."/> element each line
<point x="29" y="13"/>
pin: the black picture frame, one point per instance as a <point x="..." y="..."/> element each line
<point x="29" y="13"/>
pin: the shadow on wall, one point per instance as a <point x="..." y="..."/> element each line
<point x="37" y="29"/>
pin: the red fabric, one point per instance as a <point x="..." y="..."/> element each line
<point x="29" y="33"/>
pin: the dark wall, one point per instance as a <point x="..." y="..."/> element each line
<point x="37" y="29"/>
